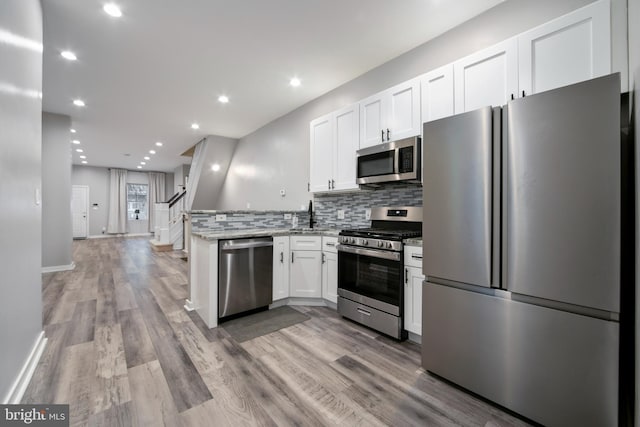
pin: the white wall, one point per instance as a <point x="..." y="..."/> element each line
<point x="20" y="179"/>
<point x="276" y="156"/>
<point x="57" y="229"/>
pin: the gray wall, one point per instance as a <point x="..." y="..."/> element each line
<point x="179" y="174"/>
<point x="57" y="229"/>
<point x="277" y="155"/>
<point x="20" y="179"/>
<point x="217" y="150"/>
<point x="634" y="85"/>
<point x="97" y="179"/>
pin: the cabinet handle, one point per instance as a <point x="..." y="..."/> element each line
<point x="323" y="258"/>
<point x="406" y="275"/>
<point x="512" y="97"/>
<point x="382" y="131"/>
<point x="281" y="257"/>
<point x="388" y="134"/>
<point x="333" y="184"/>
<point x="523" y="95"/>
<point x="330" y="244"/>
<point x="414" y="256"/>
<point x="291" y="257"/>
<point x="308" y="186"/>
<point x="329" y="184"/>
<point x="363" y="311"/>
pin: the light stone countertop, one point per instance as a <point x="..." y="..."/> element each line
<point x="263" y="232"/>
<point x="413" y="242"/>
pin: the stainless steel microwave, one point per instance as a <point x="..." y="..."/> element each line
<point x="393" y="161"/>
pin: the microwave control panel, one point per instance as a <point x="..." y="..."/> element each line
<point x="405" y="159"/>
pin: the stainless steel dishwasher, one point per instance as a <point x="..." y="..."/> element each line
<point x="245" y="275"/>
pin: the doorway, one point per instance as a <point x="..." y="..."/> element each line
<point x="80" y="211"/>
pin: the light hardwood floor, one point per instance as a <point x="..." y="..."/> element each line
<point x="123" y="351"/>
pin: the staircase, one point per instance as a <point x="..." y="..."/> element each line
<point x="169" y="227"/>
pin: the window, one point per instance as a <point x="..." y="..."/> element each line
<point x="137" y="201"/>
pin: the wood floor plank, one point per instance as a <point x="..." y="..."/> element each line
<point x="138" y="348"/>
<point x="106" y="309"/>
<point x="151" y="396"/>
<point x="186" y="384"/>
<point x="116" y="416"/>
<point x="111" y="383"/>
<point x="83" y="321"/>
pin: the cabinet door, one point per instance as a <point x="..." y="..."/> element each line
<point x="330" y="276"/>
<point x="321" y="139"/>
<point x="306" y="274"/>
<point x="486" y="78"/>
<point x="280" y="267"/>
<point x="372" y="120"/>
<point x="437" y="93"/>
<point x="413" y="300"/>
<point x="567" y="50"/>
<point x="403" y="111"/>
<point x="346" y="142"/>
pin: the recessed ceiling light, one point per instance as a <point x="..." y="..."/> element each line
<point x="75" y="141"/>
<point x="143" y="163"/>
<point x="78" y="102"/>
<point x="67" y="54"/>
<point x="215" y="167"/>
<point x="195" y="126"/>
<point x="152" y="151"/>
<point x="295" y="82"/>
<point x="112" y="9"/>
<point x="83" y="157"/>
<point x="147" y="158"/>
<point x="159" y="144"/>
<point x="84" y="162"/>
<point x="79" y="150"/>
<point x="72" y="130"/>
<point x="223" y="98"/>
<point x="139" y="167"/>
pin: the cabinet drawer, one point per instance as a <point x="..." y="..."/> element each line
<point x="329" y="244"/>
<point x="413" y="256"/>
<point x="306" y="243"/>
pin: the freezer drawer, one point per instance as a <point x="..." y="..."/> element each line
<point x="554" y="367"/>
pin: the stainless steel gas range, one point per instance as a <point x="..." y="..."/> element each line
<point x="370" y="269"/>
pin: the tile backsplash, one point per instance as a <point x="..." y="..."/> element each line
<point x="325" y="207"/>
<point x="354" y="204"/>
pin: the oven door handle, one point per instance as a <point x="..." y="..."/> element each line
<point x="394" y="256"/>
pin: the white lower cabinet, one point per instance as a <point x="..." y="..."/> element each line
<point x="413" y="279"/>
<point x="280" y="267"/>
<point x="330" y="269"/>
<point x="305" y="279"/>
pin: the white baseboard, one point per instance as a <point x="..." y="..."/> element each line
<point x="415" y="338"/>
<point x="14" y="396"/>
<point x="107" y="236"/>
<point x="56" y="268"/>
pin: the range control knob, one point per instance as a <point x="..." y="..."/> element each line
<point x="353" y="240"/>
<point x="364" y="242"/>
<point x="380" y="244"/>
<point x="389" y="245"/>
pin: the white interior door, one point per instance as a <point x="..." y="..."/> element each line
<point x="80" y="211"/>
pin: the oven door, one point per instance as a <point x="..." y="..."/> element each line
<point x="372" y="277"/>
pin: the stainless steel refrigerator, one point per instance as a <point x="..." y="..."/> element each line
<point x="521" y="238"/>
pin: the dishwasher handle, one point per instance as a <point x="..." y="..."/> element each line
<point x="232" y="245"/>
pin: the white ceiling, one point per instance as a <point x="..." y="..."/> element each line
<point x="146" y="76"/>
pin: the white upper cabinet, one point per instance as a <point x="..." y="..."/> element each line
<point x="321" y="153"/>
<point x="371" y="120"/>
<point x="567" y="50"/>
<point x="345" y="142"/>
<point x="334" y="142"/>
<point x="436" y="89"/>
<point x="391" y="114"/>
<point x="487" y="77"/>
